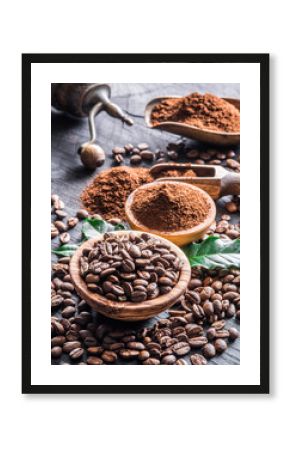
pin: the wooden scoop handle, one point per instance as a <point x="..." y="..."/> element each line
<point x="230" y="184"/>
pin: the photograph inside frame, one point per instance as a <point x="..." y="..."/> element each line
<point x="145" y="224"/>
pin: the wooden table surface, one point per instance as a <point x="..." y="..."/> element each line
<point x="69" y="177"/>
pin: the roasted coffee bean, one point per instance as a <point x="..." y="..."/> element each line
<point x="67" y="286"/>
<point x="143" y="355"/>
<point x="54" y="233"/>
<point x="76" y="353"/>
<point x="231" y="310"/>
<point x="181" y="348"/>
<point x="61" y="226"/>
<point x="208" y="308"/>
<point x="135" y="159"/>
<point x="233" y="333"/>
<point x="136" y="345"/>
<point x="118" y="159"/>
<point x="143" y="146"/>
<point x="109" y="357"/>
<point x="72" y="222"/>
<point x="220" y="345"/>
<point x="211" y="334"/>
<point x="118" y="151"/>
<point x="128" y="148"/>
<point x="197" y="342"/>
<point x="147" y="155"/>
<point x="169" y="359"/>
<point x="94" y="360"/>
<point x="69" y="346"/>
<point x="72" y="335"/>
<point x="60" y="213"/>
<point x="57" y="341"/>
<point x="82" y="214"/>
<point x="222" y="334"/>
<point x="68" y="311"/>
<point x="181" y="362"/>
<point x="128" y="353"/>
<point x="231" y="207"/>
<point x="208" y="351"/>
<point x="138" y="296"/>
<point x="96" y="350"/>
<point x="56" y="301"/>
<point x="56" y="352"/>
<point x="64" y="238"/>
<point x="193" y="330"/>
<point x="219" y="324"/>
<point x="57" y="327"/>
<point x="68" y="301"/>
<point x="151" y="362"/>
<point x="198" y="360"/>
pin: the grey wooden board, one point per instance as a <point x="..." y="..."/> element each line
<point x="69" y="177"/>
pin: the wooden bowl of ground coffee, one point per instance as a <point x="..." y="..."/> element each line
<point x="205" y="118"/>
<point x="129" y="275"/>
<point x="179" y="212"/>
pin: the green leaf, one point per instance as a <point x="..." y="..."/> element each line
<point x="95" y="227"/>
<point x="65" y="250"/>
<point x="214" y="253"/>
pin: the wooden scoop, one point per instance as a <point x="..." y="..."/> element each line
<point x="215" y="180"/>
<point x="190" y="131"/>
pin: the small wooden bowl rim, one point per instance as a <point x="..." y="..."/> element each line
<point x="197" y="229"/>
<point x="153" y="102"/>
<point x="104" y="305"/>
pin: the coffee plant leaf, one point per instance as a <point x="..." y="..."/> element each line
<point x="214" y="253"/>
<point x="65" y="250"/>
<point x="93" y="228"/>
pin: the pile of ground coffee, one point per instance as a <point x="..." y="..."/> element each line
<point x="108" y="192"/>
<point x="203" y="111"/>
<point x="163" y="207"/>
<point x="176" y="173"/>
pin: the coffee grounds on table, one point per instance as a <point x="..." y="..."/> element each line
<point x="202" y="111"/>
<point x="163" y="207"/>
<point x="107" y="193"/>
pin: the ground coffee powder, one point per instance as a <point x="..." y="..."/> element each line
<point x="203" y="111"/>
<point x="176" y="173"/>
<point x="165" y="208"/>
<point x="107" y="193"/>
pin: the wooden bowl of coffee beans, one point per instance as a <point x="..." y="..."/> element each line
<point x="129" y="275"/>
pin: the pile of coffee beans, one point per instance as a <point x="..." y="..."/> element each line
<point x="193" y="332"/>
<point x="130" y="267"/>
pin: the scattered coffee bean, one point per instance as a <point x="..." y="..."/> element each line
<point x="64" y="238"/>
<point x="209" y="351"/>
<point x="94" y="360"/>
<point x="198" y="360"/>
<point x="220" y="345"/>
<point x="76" y="353"/>
<point x="135" y="159"/>
<point x="56" y="352"/>
<point x="233" y="333"/>
<point x="143" y="146"/>
<point x="82" y="214"/>
<point x="151" y="362"/>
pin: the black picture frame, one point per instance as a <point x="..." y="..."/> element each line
<point x="27" y="60"/>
